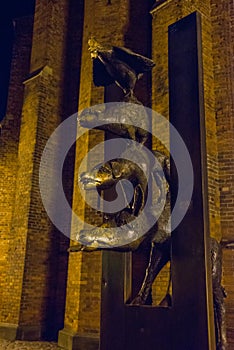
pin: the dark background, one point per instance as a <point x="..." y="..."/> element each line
<point x="8" y="11"/>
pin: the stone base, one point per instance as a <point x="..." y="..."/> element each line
<point x="30" y="333"/>
<point x="15" y="332"/>
<point x="77" y="341"/>
<point x="8" y="331"/>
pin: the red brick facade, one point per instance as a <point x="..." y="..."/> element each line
<point x="41" y="284"/>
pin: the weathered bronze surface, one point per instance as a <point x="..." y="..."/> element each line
<point x="107" y="176"/>
<point x="218" y="294"/>
<point x="196" y="258"/>
<point x="117" y="65"/>
<point x="113" y="121"/>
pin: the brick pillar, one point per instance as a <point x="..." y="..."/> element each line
<point x="222" y="20"/>
<point x="164" y="14"/>
<point x="110" y="24"/>
<point x="11" y="283"/>
<point x="38" y="266"/>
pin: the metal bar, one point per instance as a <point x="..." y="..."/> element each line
<point x="191" y="271"/>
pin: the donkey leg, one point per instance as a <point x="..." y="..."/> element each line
<point x="218" y="295"/>
<point x="159" y="256"/>
<point x="220" y="317"/>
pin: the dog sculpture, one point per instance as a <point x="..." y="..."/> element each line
<point x="111" y="119"/>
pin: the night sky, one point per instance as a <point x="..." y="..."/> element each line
<point x="8" y="11"/>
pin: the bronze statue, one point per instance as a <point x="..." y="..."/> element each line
<point x="124" y="67"/>
<point x="117" y="65"/>
<point x="219" y="294"/>
<point x="108" y="176"/>
<point x="159" y="238"/>
<point x="113" y="121"/>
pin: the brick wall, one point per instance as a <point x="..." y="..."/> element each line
<point x="37" y="259"/>
<point x="10" y="283"/>
<point x="41" y="114"/>
<point x="56" y="90"/>
<point x="110" y="24"/>
<point x="222" y="20"/>
<point x="83" y="314"/>
<point x="164" y="15"/>
<point x="217" y="18"/>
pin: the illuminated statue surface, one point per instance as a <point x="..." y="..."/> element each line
<point x="124" y="67"/>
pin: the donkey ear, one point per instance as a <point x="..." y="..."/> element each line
<point x="138" y="200"/>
